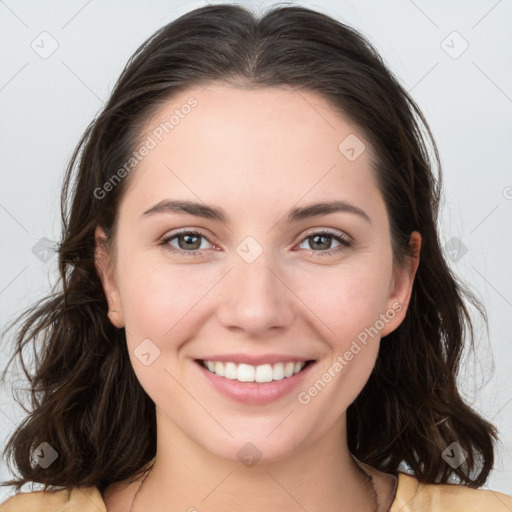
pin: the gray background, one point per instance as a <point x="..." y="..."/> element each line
<point x="46" y="101"/>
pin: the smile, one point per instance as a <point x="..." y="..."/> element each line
<point x="248" y="373"/>
<point x="255" y="384"/>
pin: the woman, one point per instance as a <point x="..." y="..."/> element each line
<point x="255" y="310"/>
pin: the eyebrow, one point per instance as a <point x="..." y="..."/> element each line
<point x="216" y="213"/>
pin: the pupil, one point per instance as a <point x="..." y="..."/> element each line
<point x="316" y="237"/>
<point x="187" y="239"/>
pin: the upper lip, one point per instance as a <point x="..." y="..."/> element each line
<point x="255" y="360"/>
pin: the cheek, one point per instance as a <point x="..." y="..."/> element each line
<point x="160" y="300"/>
<point x="160" y="304"/>
<point x="348" y="307"/>
<point x="347" y="299"/>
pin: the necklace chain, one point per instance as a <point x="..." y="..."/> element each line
<point x="371" y="486"/>
<point x="368" y="482"/>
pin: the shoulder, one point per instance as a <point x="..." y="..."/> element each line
<point x="413" y="496"/>
<point x="79" y="499"/>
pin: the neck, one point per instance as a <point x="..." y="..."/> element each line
<point x="320" y="476"/>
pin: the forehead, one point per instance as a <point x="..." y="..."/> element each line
<point x="271" y="144"/>
<point x="278" y="115"/>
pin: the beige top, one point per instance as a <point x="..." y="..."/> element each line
<point x="411" y="496"/>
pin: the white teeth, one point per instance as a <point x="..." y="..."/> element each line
<point x="248" y="373"/>
<point x="245" y="373"/>
<point x="288" y="369"/>
<point x="278" y="371"/>
<point x="219" y="369"/>
<point x="230" y="371"/>
<point x="263" y="373"/>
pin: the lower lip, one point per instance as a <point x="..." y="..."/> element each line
<point x="255" y="393"/>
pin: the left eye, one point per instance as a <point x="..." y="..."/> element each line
<point x="324" y="238"/>
<point x="188" y="241"/>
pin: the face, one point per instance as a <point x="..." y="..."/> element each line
<point x="251" y="274"/>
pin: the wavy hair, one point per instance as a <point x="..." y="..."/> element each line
<point x="86" y="401"/>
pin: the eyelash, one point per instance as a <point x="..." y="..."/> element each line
<point x="344" y="243"/>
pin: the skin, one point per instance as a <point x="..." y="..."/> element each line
<point x="255" y="153"/>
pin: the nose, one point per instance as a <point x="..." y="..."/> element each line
<point x="254" y="298"/>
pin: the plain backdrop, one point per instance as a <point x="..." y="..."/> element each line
<point x="59" y="61"/>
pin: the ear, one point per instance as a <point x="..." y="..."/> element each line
<point x="104" y="267"/>
<point x="401" y="286"/>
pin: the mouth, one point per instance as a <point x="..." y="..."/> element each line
<point x="254" y="385"/>
<point x="250" y="373"/>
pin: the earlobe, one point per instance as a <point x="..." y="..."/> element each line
<point x="104" y="267"/>
<point x="403" y="282"/>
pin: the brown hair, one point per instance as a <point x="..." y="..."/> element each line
<point x="86" y="400"/>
